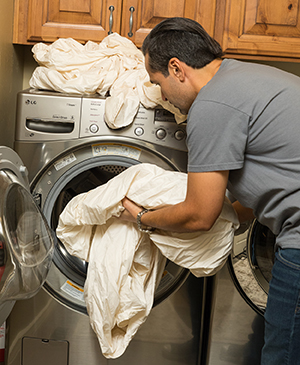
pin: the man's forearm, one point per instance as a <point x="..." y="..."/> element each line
<point x="176" y="218"/>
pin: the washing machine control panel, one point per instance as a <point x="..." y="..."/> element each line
<point x="46" y="116"/>
<point x="152" y="125"/>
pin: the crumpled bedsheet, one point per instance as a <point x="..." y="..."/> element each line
<point x="125" y="265"/>
<point x="115" y="65"/>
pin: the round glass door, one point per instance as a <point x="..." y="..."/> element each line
<point x="251" y="264"/>
<point x="26" y="241"/>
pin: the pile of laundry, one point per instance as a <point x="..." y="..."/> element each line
<point x="114" y="68"/>
<point x="125" y="265"/>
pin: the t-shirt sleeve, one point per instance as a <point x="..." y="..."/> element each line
<point x="216" y="137"/>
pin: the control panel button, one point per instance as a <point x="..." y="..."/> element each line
<point x="161" y="133"/>
<point x="94" y="128"/>
<point x="139" y="131"/>
<point x="179" y="135"/>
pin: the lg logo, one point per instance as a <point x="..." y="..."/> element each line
<point x="30" y="102"/>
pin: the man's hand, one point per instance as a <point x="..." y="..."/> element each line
<point x="131" y="210"/>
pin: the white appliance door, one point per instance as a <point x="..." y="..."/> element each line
<point x="26" y="241"/>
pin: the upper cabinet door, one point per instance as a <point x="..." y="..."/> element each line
<point x="140" y="16"/>
<point x="260" y="28"/>
<point x="48" y="20"/>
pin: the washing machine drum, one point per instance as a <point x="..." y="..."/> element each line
<point x="75" y="268"/>
<point x="60" y="181"/>
<point x="26" y="241"/>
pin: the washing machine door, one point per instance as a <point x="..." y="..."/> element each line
<point x="26" y="241"/>
<point x="251" y="264"/>
<point x="79" y="170"/>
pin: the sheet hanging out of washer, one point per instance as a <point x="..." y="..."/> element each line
<point x="124" y="264"/>
<point x="115" y="65"/>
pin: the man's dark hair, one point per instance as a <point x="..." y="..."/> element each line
<point x="182" y="38"/>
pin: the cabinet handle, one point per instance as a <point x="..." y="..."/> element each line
<point x="111" y="8"/>
<point x="131" y="9"/>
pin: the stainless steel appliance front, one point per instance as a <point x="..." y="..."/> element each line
<point x="237" y="333"/>
<point x="68" y="149"/>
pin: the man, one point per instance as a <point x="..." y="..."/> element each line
<point x="243" y="133"/>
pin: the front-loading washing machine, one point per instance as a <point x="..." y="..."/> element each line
<point x="240" y="298"/>
<point x="68" y="149"/>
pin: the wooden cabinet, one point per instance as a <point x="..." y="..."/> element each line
<point x="151" y="12"/>
<point x="47" y="20"/>
<point x="259" y="28"/>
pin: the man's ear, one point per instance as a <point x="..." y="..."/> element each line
<point x="176" y="68"/>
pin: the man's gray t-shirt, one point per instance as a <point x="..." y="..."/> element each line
<point x="247" y="120"/>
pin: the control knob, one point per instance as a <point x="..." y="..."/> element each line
<point x="161" y="133"/>
<point x="94" y="128"/>
<point x="179" y="135"/>
<point x="139" y="131"/>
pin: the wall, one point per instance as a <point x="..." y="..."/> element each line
<point x="286" y="66"/>
<point x="11" y="74"/>
<point x="29" y="65"/>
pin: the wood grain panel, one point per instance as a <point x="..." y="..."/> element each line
<point x="85" y="20"/>
<point x="261" y="27"/>
<point x="87" y="12"/>
<point x="283" y="12"/>
<point x="84" y="6"/>
<point x="148" y="13"/>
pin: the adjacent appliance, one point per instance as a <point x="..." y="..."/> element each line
<point x="241" y="290"/>
<point x="68" y="149"/>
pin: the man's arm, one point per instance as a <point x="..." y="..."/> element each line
<point x="199" y="211"/>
